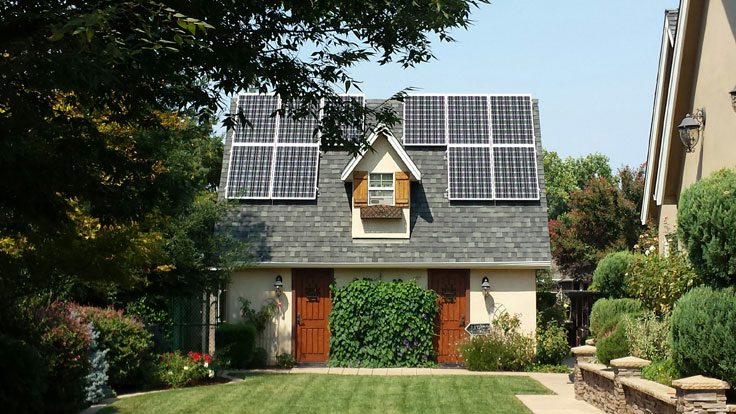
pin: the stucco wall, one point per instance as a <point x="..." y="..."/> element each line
<point x="511" y="290"/>
<point x="714" y="77"/>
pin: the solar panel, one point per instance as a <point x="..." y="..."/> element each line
<point x="250" y="172"/>
<point x="424" y="120"/>
<point x="511" y="118"/>
<point x="467" y="120"/>
<point x="353" y="132"/>
<point x="469" y="173"/>
<point x="515" y="172"/>
<point x="301" y="130"/>
<point x="257" y="110"/>
<point x="295" y="172"/>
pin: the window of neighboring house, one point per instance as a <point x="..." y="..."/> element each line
<point x="381" y="189"/>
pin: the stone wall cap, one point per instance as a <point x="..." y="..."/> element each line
<point x="629" y="362"/>
<point x="583" y="350"/>
<point x="700" y="382"/>
<point x="590" y="341"/>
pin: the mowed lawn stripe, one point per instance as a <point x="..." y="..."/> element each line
<point x="309" y="393"/>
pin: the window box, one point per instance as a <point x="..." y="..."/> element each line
<point x="380" y="212"/>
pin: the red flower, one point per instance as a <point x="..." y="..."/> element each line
<point x="207" y="358"/>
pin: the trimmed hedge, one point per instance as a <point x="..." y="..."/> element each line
<point x="609" y="275"/>
<point x="606" y="314"/>
<point x="236" y="344"/>
<point x="703" y="333"/>
<point x="382" y="324"/>
<point x="706" y="219"/>
<point x="614" y="345"/>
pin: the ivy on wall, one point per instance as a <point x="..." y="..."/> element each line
<point x="382" y="324"/>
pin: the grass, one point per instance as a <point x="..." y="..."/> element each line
<point x="305" y="393"/>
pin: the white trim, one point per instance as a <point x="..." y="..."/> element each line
<point x="405" y="265"/>
<point x="382" y="129"/>
<point x="655" y="125"/>
<point x="671" y="97"/>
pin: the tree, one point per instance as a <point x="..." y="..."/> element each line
<point x="563" y="176"/>
<point x="96" y="169"/>
<point x="603" y="217"/>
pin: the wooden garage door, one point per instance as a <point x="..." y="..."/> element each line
<point x="313" y="305"/>
<point x="452" y="286"/>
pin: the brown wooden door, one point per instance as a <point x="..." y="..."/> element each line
<point x="313" y="305"/>
<point x="452" y="285"/>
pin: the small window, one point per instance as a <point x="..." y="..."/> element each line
<point x="381" y="189"/>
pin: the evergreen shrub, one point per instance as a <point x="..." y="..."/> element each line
<point x="236" y="344"/>
<point x="609" y="275"/>
<point x="382" y="324"/>
<point x="23" y="379"/>
<point x="606" y="313"/>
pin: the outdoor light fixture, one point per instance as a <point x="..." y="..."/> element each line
<point x="486" y="286"/>
<point x="691" y="128"/>
<point x="278" y="285"/>
<point x="733" y="98"/>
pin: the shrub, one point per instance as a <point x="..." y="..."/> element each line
<point x="96" y="385"/>
<point x="658" y="281"/>
<point x="236" y="344"/>
<point x="606" y="314"/>
<point x="128" y="343"/>
<point x="703" y="333"/>
<point x="23" y="379"/>
<point x="260" y="358"/>
<point x="553" y="369"/>
<point x="260" y="318"/>
<point x="609" y="275"/>
<point x="552" y="345"/>
<point x="382" y="324"/>
<point x="64" y="342"/>
<point x="613" y="345"/>
<point x="504" y="348"/>
<point x="663" y="372"/>
<point x="285" y="361"/>
<point x="706" y="218"/>
<point x="176" y="370"/>
<point x="647" y="336"/>
<point x="549" y="310"/>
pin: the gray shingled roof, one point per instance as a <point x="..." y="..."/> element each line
<point x="319" y="231"/>
<point x="671" y="16"/>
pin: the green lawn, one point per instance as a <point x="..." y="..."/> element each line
<point x="305" y="393"/>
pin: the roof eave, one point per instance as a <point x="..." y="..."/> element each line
<point x="416" y="175"/>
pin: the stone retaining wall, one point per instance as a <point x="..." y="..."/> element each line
<point x="621" y="390"/>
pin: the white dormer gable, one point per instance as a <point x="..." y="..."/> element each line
<point x="371" y="158"/>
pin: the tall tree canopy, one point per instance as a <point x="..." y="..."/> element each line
<point x="564" y="176"/>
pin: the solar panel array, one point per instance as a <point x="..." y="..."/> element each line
<point x="274" y="156"/>
<point x="491" y="152"/>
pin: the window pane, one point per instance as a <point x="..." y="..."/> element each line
<point x="381" y="180"/>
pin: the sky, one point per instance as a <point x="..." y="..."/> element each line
<point x="591" y="63"/>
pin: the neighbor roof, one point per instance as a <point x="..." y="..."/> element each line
<point x="444" y="233"/>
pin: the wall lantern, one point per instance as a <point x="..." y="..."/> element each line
<point x="691" y="128"/>
<point x="733" y="98"/>
<point x="278" y="285"/>
<point x="485" y="284"/>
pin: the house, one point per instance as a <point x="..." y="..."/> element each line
<point x="695" y="94"/>
<point x="450" y="198"/>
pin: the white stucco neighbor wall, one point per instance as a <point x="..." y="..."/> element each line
<point x="513" y="291"/>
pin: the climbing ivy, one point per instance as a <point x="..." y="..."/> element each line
<point x="382" y="324"/>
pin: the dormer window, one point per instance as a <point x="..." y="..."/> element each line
<point x="381" y="189"/>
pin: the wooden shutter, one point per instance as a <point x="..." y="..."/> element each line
<point x="360" y="188"/>
<point x="401" y="188"/>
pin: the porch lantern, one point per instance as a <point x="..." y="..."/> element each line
<point x="733" y="98"/>
<point x="690" y="129"/>
<point x="485" y="284"/>
<point x="278" y="285"/>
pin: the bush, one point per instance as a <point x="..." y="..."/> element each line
<point x="606" y="314"/>
<point x="706" y="220"/>
<point x="504" y="348"/>
<point x="658" y="281"/>
<point x="23" y="379"/>
<point x="285" y="361"/>
<point x="236" y="344"/>
<point x="703" y="333"/>
<point x="552" y="345"/>
<point x="614" y="345"/>
<point x="176" y="370"/>
<point x="260" y="358"/>
<point x="549" y="310"/>
<point x="128" y="343"/>
<point x="97" y="388"/>
<point x="382" y="324"/>
<point x="663" y="372"/>
<point x="609" y="275"/>
<point x="64" y="342"/>
<point x="647" y="336"/>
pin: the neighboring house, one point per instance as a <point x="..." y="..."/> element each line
<point x="697" y="72"/>
<point x="451" y="196"/>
